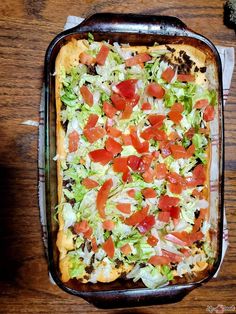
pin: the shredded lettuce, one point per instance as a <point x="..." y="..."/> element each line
<point x="69" y="215"/>
<point x="150" y="276"/>
<point x="77" y="267"/>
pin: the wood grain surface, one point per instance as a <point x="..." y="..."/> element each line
<point x="26" y="28"/>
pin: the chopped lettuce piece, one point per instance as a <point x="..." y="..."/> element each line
<point x="77" y="267"/>
<point x="68" y="215"/>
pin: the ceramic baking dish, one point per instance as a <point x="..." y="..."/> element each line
<point x="135" y="30"/>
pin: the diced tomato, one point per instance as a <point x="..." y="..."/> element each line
<point x="155" y="154"/>
<point x="202" y="103"/>
<point x="170" y="237"/>
<point x="81" y="227"/>
<point x="113" y="146"/>
<point x="174" y="212"/>
<point x="189" y="238"/>
<point x="92" y="121"/>
<point x="118" y="101"/>
<point x="109" y="110"/>
<point x="140" y="147"/>
<point x="134" y="101"/>
<point x="166" y="202"/>
<point x="145" y="163"/>
<point x="209" y="113"/>
<point x="175" y="116"/>
<point x="131" y="193"/>
<point x="127" y="88"/>
<point x="143" y="166"/>
<point x="164" y="216"/>
<point x="102" y="55"/>
<point x="151" y="240"/>
<point x="102" y="197"/>
<point x="85" y="58"/>
<point x="88" y="233"/>
<point x="89" y="183"/>
<point x="94" y="134"/>
<point x="177" y="107"/>
<point x="145" y="225"/>
<point x="147" y="134"/>
<point x="126" y="177"/>
<point x="149" y="193"/>
<point x="175" y="258"/>
<point x="148" y="175"/>
<point x="133" y="128"/>
<point x="191" y="182"/>
<point x="139" y="58"/>
<point x="109" y="247"/>
<point x="190" y="133"/>
<point x="108" y="225"/>
<point x="178" y="151"/>
<point x="87" y="95"/>
<point x="109" y="124"/>
<point x="199" y="173"/>
<point x="183" y="236"/>
<point x="186" y="252"/>
<point x="126" y="138"/>
<point x="203" y="213"/>
<point x="165" y="148"/>
<point x="155" y="90"/>
<point x="94" y="245"/>
<point x="190" y="151"/>
<point x="124" y="207"/>
<point x="126" y="249"/>
<point x="147" y="159"/>
<point x="175" y="188"/>
<point x="135" y="140"/>
<point x="101" y="155"/>
<point x="161" y="171"/>
<point x="120" y="164"/>
<point x="174" y="136"/>
<point x="168" y="74"/>
<point x="127" y="111"/>
<point x="174" y="177"/>
<point x="73" y="141"/>
<point x="112" y="131"/>
<point x="146" y="106"/>
<point x="186" y="77"/>
<point x="176" y="221"/>
<point x="156" y="119"/>
<point x="137" y="217"/>
<point x="159" y="260"/>
<point x="159" y="135"/>
<point x="197" y="224"/>
<point x="133" y="162"/>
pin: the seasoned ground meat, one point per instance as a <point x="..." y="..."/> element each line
<point x="91" y="69"/>
<point x="118" y="263"/>
<point x="89" y="269"/>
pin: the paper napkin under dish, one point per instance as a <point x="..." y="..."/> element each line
<point x="227" y="59"/>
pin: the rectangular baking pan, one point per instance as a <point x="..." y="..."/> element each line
<point x="135" y="30"/>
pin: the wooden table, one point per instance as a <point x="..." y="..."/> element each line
<point x="26" y="29"/>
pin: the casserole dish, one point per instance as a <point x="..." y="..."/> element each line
<point x="142" y="31"/>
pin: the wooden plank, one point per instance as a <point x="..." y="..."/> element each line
<point x="26" y="28"/>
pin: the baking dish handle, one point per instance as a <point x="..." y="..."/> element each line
<point x="134" y="23"/>
<point x="141" y="297"/>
